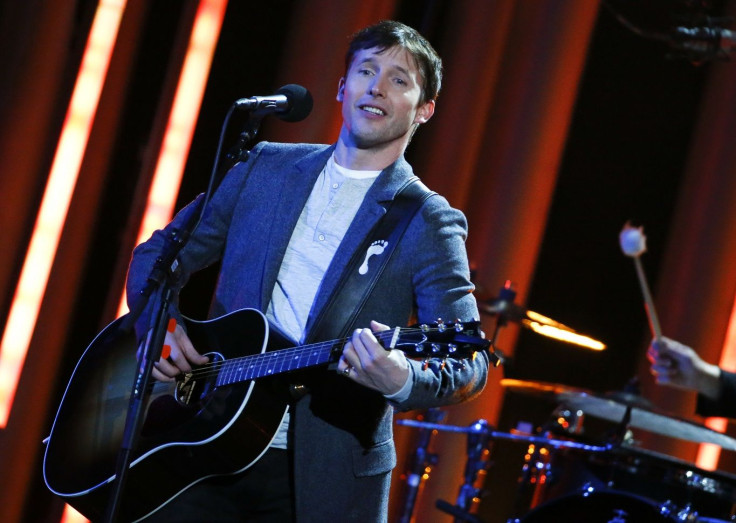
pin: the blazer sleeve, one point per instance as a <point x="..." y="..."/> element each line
<point x="204" y="247"/>
<point x="443" y="289"/>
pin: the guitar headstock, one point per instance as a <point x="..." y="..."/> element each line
<point x="437" y="340"/>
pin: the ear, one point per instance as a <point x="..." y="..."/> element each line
<point x="424" y="112"/>
<point x="340" y="89"/>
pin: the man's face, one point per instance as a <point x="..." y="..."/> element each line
<point x="380" y="99"/>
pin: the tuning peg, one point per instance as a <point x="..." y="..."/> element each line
<point x="441" y="325"/>
<point x="459" y="325"/>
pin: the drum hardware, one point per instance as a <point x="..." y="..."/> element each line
<point x="606" y="506"/>
<point x="698" y="494"/>
<point x="506" y="310"/>
<point x="478" y="427"/>
<point x="621" y="407"/>
<point x="475" y="469"/>
<point x="536" y="472"/>
<point x="687" y="513"/>
<point x="421" y="464"/>
<point x="540" y="389"/>
<point x="624" y="477"/>
<point x="639" y="480"/>
<point x="480" y="436"/>
<point x="634" y="415"/>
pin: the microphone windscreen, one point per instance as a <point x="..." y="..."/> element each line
<point x="300" y="103"/>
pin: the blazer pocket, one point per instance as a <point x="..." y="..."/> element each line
<point x="375" y="460"/>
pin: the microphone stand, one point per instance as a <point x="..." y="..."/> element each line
<point x="161" y="280"/>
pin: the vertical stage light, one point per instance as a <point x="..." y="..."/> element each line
<point x="62" y="179"/>
<point x="708" y="455"/>
<point x="178" y="135"/>
<point x="180" y="127"/>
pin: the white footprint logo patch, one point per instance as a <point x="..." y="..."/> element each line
<point x="376" y="247"/>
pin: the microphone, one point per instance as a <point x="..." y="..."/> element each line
<point x="706" y="41"/>
<point x="291" y="103"/>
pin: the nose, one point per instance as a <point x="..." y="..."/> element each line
<point x="376" y="87"/>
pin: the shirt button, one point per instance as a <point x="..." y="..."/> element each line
<point x="321" y="237"/>
<point x="335" y="185"/>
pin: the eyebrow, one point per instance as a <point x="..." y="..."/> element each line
<point x="371" y="60"/>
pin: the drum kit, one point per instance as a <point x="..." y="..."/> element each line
<point x="571" y="473"/>
<point x="570" y="476"/>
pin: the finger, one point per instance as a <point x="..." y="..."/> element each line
<point x="189" y="355"/>
<point x="160" y="376"/>
<point x="663" y="370"/>
<point x="172" y="355"/>
<point x="349" y="356"/>
<point x="379" y="327"/>
<point x="164" y="371"/>
<point x="364" y="340"/>
<point x="344" y="368"/>
<point x="356" y="347"/>
<point x="372" y="348"/>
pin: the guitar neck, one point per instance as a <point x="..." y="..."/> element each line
<point x="275" y="362"/>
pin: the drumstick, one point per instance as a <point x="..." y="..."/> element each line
<point x="633" y="244"/>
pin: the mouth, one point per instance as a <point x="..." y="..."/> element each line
<point x="372" y="110"/>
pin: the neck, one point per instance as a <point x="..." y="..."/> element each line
<point x="372" y="159"/>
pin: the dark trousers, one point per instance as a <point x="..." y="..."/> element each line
<point x="263" y="493"/>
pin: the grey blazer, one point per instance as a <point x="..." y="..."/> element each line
<point x="341" y="432"/>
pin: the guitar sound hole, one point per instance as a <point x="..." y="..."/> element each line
<point x="195" y="396"/>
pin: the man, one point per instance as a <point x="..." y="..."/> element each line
<point x="678" y="365"/>
<point x="284" y="224"/>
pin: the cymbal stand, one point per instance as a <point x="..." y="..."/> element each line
<point x="421" y="464"/>
<point x="479" y="440"/>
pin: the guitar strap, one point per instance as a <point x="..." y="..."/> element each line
<point x="352" y="291"/>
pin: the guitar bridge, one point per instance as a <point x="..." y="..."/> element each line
<point x="185" y="388"/>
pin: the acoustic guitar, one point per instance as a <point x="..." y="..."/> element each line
<point x="216" y="420"/>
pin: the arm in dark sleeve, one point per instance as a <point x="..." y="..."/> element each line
<point x="725" y="405"/>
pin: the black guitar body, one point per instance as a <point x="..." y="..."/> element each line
<point x="216" y="420"/>
<point x="180" y="443"/>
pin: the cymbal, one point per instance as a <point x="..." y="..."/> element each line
<point x="510" y="311"/>
<point x="480" y="428"/>
<point x="537" y="388"/>
<point x="648" y="419"/>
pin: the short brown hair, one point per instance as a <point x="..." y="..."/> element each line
<point x="389" y="33"/>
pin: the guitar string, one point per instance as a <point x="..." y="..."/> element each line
<point x="277" y="359"/>
<point x="282" y="355"/>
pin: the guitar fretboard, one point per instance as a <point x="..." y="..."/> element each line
<point x="279" y="361"/>
<point x="272" y="363"/>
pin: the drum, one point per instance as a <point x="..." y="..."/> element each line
<point x="599" y="507"/>
<point x="665" y="478"/>
<point x="642" y="478"/>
